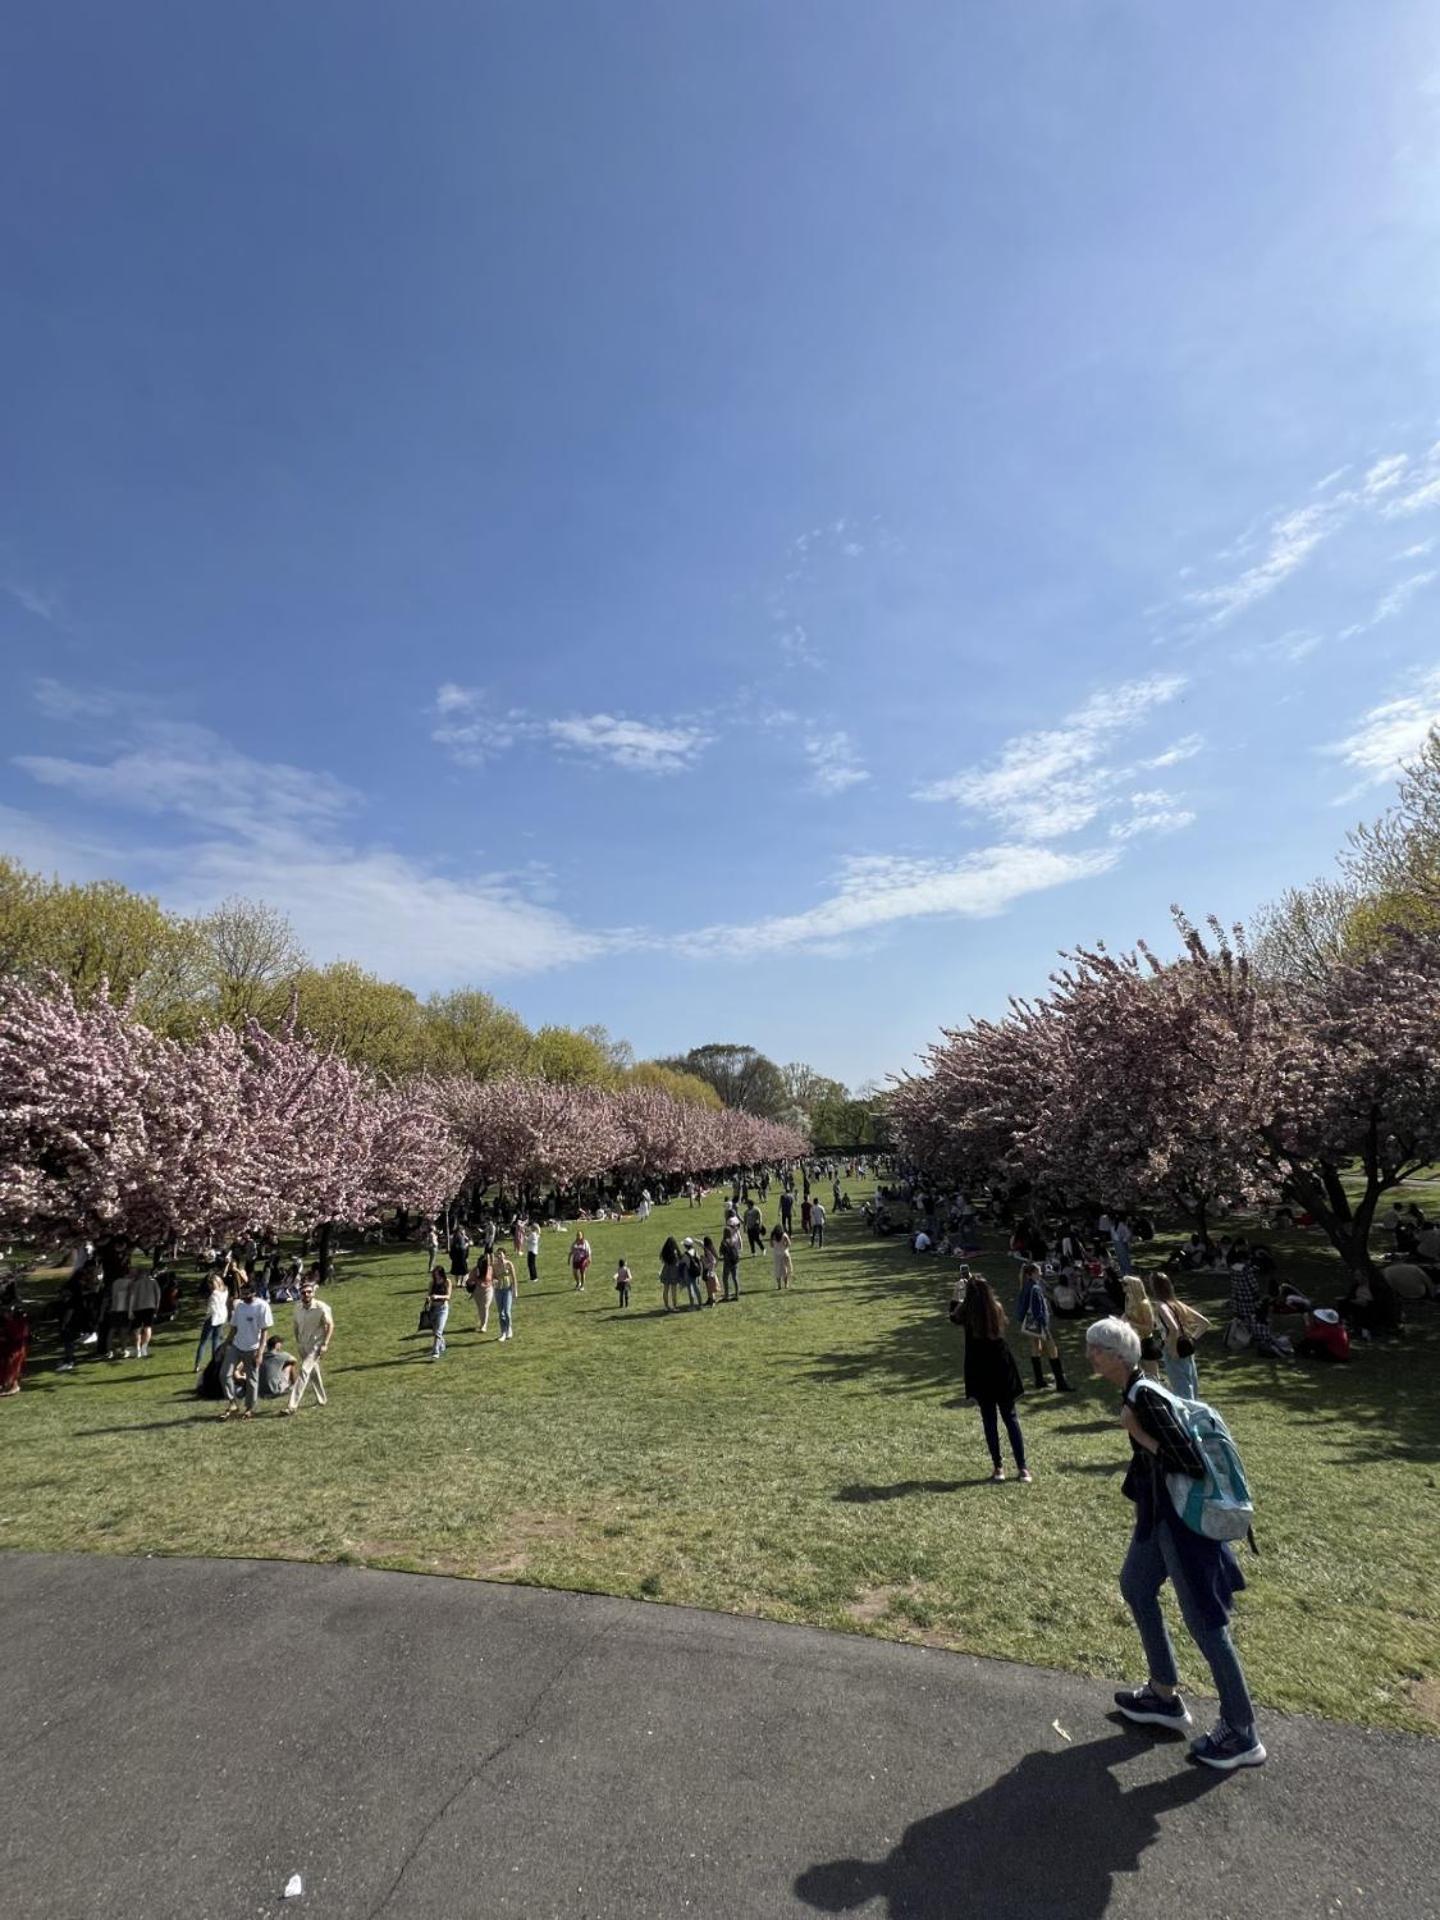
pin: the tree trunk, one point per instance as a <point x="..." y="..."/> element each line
<point x="322" y="1250"/>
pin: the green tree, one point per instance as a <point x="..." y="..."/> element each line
<point x="373" y="1022"/>
<point x="573" y="1057"/>
<point x="679" y="1086"/>
<point x="466" y="1031"/>
<point x="743" y="1077"/>
<point x="252" y="956"/>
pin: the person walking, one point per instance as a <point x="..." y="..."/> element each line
<point x="250" y="1321"/>
<point x="787" y="1208"/>
<point x="217" y="1318"/>
<point x="144" y="1307"/>
<point x="314" y="1330"/>
<point x="580" y="1259"/>
<point x="1181" y="1326"/>
<point x="483" y="1291"/>
<point x="1032" y="1310"/>
<point x="992" y="1379"/>
<point x="781" y="1260"/>
<point x="755" y="1228"/>
<point x="1141" y="1316"/>
<point x="503" y="1274"/>
<point x="440" y="1291"/>
<point x="622" y="1282"/>
<point x="642" y="1212"/>
<point x="709" y="1263"/>
<point x="730" y="1249"/>
<point x="1205" y="1573"/>
<point x="532" y="1250"/>
<point x="806" y="1211"/>
<point x="432" y="1245"/>
<point x="817" y="1223"/>
<point x="459" y="1253"/>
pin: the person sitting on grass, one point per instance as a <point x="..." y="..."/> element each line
<point x="277" y="1370"/>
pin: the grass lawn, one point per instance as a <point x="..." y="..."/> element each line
<point x="804" y="1457"/>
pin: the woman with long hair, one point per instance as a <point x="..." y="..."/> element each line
<point x="780" y="1258"/>
<point x="1181" y="1326"/>
<point x="1139" y="1314"/>
<point x="992" y="1379"/>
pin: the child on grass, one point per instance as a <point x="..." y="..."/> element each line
<point x="622" y="1282"/>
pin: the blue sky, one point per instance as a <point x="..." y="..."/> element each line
<point x="759" y="521"/>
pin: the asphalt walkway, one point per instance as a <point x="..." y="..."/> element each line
<point x="177" y="1738"/>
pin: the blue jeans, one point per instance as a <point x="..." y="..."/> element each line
<point x="439" y="1314"/>
<point x="209" y="1338"/>
<point x="1181" y="1375"/>
<point x="988" y="1418"/>
<point x="503" y="1299"/>
<point x="233" y="1356"/>
<point x="1148" y="1565"/>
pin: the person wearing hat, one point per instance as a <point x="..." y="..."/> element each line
<point x="250" y="1321"/>
<point x="314" y="1330"/>
<point x="1326" y="1337"/>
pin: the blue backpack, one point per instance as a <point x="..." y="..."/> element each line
<point x="1219" y="1506"/>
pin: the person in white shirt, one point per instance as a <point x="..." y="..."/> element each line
<point x="817" y="1224"/>
<point x="532" y="1249"/>
<point x="314" y="1330"/>
<point x="250" y="1321"/>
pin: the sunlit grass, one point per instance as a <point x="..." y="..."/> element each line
<point x="804" y="1457"/>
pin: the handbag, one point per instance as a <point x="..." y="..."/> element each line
<point x="1237" y="1336"/>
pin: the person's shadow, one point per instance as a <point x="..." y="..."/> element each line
<point x="1046" y="1840"/>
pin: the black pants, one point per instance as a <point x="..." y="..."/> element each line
<point x="989" y="1410"/>
<point x="624" y="1293"/>
<point x="757" y="1241"/>
<point x="817" y="1235"/>
<point x="533" y="1265"/>
<point x="730" y="1278"/>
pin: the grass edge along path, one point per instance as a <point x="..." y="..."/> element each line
<point x="800" y="1458"/>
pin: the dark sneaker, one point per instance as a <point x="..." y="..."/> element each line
<point x="1228" y="1750"/>
<point x="1151" y="1709"/>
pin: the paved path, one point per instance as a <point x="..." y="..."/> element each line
<point x="178" y="1737"/>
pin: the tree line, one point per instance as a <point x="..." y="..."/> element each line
<point x="242" y="963"/>
<point x="1297" y="1067"/>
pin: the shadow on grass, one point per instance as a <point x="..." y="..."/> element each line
<point x="860" y="1495"/>
<point x="1012" y="1848"/>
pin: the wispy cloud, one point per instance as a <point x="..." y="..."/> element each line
<point x="1054" y="782"/>
<point x="1421" y="491"/>
<point x="1418" y="551"/>
<point x="233" y="823"/>
<point x="1185" y="748"/>
<point x="834" y="765"/>
<point x="1154" y="811"/>
<point x="635" y="746"/>
<point x="1292" y="647"/>
<point x="1293" y="537"/>
<point x="1401" y="594"/>
<point x="461" y="725"/>
<point x="1390" y="733"/>
<point x="43" y="603"/>
<point x="874" y="891"/>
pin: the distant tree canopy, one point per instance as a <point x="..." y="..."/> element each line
<point x="243" y="961"/>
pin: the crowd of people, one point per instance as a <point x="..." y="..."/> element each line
<point x="1146" y="1344"/>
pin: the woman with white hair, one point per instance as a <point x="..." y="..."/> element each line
<point x="1204" y="1573"/>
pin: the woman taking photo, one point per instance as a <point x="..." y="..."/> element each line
<point x="992" y="1379"/>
